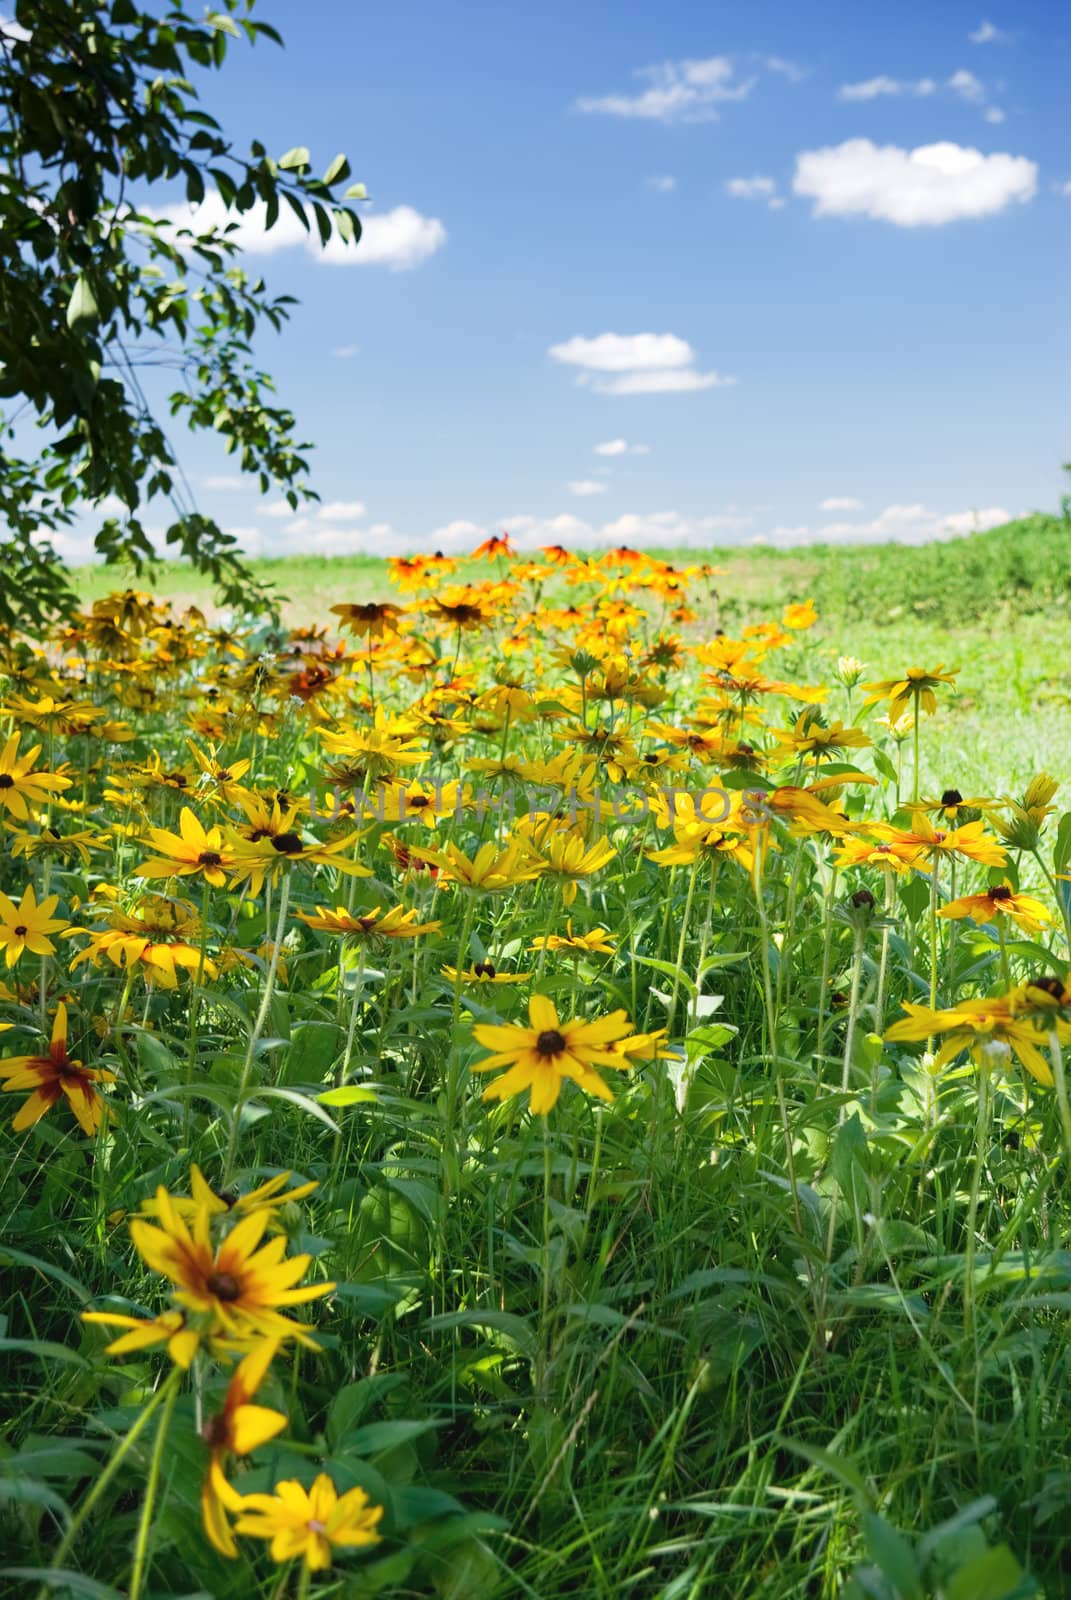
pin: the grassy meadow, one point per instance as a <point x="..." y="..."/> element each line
<point x="544" y="1080"/>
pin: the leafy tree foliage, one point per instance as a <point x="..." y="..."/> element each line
<point x="98" y="110"/>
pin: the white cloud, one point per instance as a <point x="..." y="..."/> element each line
<point x="584" y="486"/>
<point x="967" y="86"/>
<point x="277" y="508"/>
<point x="643" y="363"/>
<point x="875" y="88"/>
<point x="677" y="91"/>
<point x="993" y="114"/>
<point x="398" y="239"/>
<point x="748" y="188"/>
<point x="757" y="188"/>
<point x="624" y="352"/>
<point x="662" y="185"/>
<point x="840" y="503"/>
<point x="788" y="69"/>
<point x="651" y="528"/>
<point x="621" y="447"/>
<point x="900" y="524"/>
<point x="986" y="33"/>
<point x="933" y="184"/>
<point x="344" y="352"/>
<point x="341" y="511"/>
<point x="223" y="480"/>
<point x="674" y="381"/>
<point x="1064" y="188"/>
<point x="457" y="535"/>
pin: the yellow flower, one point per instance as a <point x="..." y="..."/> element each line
<point x="977" y="1026"/>
<point x="251" y="863"/>
<point x="397" y="923"/>
<point x="157" y="937"/>
<point x="567" y="858"/>
<point x="484" y="972"/>
<point x="268" y="1197"/>
<point x="489" y="871"/>
<point x="145" y="1332"/>
<point x="597" y="942"/>
<point x="193" y="851"/>
<point x="53" y="1078"/>
<point x="1000" y="901"/>
<point x="310" y="1522"/>
<point x="27" y="925"/>
<point x="916" y="685"/>
<point x="20" y="784"/>
<point x="800" y="615"/>
<point x="970" y="841"/>
<point x="236" y="1430"/>
<point x="235" y="1288"/>
<point x="543" y="1055"/>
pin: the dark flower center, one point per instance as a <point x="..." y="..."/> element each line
<point x="484" y="969"/>
<point x="224" y="1285"/>
<point x="417" y="802"/>
<point x="215" y="1432"/>
<point x="1050" y="984"/>
<point x="951" y="797"/>
<point x="287" y="844"/>
<point x="863" y="899"/>
<point x="1001" y="892"/>
<point x="20" y="931"/>
<point x="550" y="1042"/>
<point x="6" y="781"/>
<point x="209" y="858"/>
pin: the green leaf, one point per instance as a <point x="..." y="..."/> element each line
<point x="82" y="308"/>
<point x="349" y="1094"/>
<point x="892" y="1553"/>
<point x="295" y="160"/>
<point x="337" y="171"/>
<point x="302" y="1101"/>
<point x="61" y="1578"/>
<point x="356" y="191"/>
<point x="376" y="1437"/>
<point x="516" y="1329"/>
<point x="995" y="1575"/>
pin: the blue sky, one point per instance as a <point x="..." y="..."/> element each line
<point x="806" y="261"/>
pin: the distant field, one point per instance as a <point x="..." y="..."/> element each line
<point x="995" y="605"/>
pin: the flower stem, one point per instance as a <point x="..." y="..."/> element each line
<point x="141" y="1546"/>
<point x="96" y="1493"/>
<point x="258" y="1029"/>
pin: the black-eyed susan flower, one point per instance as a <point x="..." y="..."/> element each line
<point x="195" y="851"/>
<point x="483" y="972"/>
<point x="269" y="1197"/>
<point x="26" y="926"/>
<point x="969" y="841"/>
<point x="53" y="1078"/>
<point x="596" y="942"/>
<point x="368" y="926"/>
<point x="541" y="1056"/>
<point x="145" y="1333"/>
<point x="490" y="871"/>
<point x="234" y="1288"/>
<point x="310" y="1523"/>
<point x="1001" y="900"/>
<point x="984" y="1028"/>
<point x="237" y="1429"/>
<point x="252" y="863"/>
<point x="160" y="939"/>
<point x="368" y="619"/>
<point x="917" y="687"/>
<point x="20" y="785"/>
<point x="567" y="859"/>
